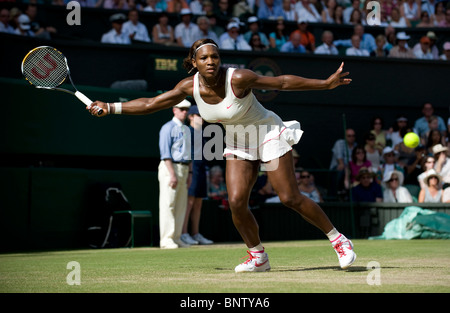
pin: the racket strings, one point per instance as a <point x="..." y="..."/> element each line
<point x="45" y="67"/>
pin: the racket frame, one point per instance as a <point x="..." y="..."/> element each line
<point x="76" y="93"/>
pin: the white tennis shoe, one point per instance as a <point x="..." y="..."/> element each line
<point x="344" y="251"/>
<point x="202" y="240"/>
<point x="186" y="238"/>
<point x="256" y="262"/>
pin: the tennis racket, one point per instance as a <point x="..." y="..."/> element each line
<point x="46" y="68"/>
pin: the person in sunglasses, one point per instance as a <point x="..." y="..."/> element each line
<point x="394" y="192"/>
<point x="307" y="186"/>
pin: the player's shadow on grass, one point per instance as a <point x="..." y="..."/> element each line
<point x="320" y="268"/>
<point x="333" y="268"/>
<point x="323" y="268"/>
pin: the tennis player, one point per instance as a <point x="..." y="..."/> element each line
<point x="225" y="96"/>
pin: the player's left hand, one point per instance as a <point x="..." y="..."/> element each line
<point x="337" y="79"/>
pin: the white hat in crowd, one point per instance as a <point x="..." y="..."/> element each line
<point x="388" y="149"/>
<point x="399" y="174"/>
<point x="24" y="22"/>
<point x="183" y="104"/>
<point x="432" y="173"/>
<point x="232" y="25"/>
<point x="185" y="11"/>
<point x="439" y="148"/>
<point x="118" y="18"/>
<point x="252" y="19"/>
<point x="402" y="36"/>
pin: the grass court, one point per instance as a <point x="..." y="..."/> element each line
<point x="419" y="266"/>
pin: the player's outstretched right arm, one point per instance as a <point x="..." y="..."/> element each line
<point x="143" y="106"/>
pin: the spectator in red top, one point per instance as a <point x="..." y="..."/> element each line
<point x="358" y="161"/>
<point x="307" y="40"/>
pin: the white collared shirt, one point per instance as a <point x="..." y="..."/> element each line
<point x="357" y="52"/>
<point x="326" y="49"/>
<point x="140" y="31"/>
<point x="186" y="33"/>
<point x="113" y="37"/>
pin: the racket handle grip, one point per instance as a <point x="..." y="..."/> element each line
<point x="86" y="100"/>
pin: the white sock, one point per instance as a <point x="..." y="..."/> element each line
<point x="257" y="249"/>
<point x="333" y="235"/>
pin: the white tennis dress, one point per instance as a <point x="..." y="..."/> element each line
<point x="252" y="132"/>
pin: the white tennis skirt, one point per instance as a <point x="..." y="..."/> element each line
<point x="263" y="141"/>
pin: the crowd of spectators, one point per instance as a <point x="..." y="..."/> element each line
<point x="236" y="25"/>
<point x="382" y="168"/>
<point x="379" y="167"/>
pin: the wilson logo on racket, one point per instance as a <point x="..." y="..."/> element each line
<point x="46" y="67"/>
<point x="43" y="67"/>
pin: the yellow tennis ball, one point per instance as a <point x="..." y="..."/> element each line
<point x="411" y="140"/>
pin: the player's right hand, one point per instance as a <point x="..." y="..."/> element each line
<point x="95" y="107"/>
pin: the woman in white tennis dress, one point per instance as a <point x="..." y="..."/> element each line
<point x="252" y="132"/>
<point x="253" y="135"/>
